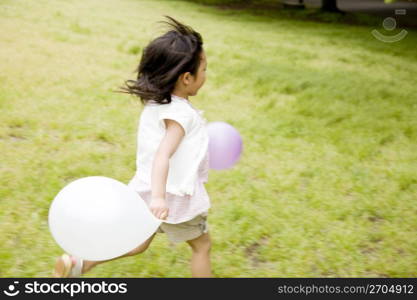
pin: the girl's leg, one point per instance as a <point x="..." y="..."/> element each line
<point x="88" y="265"/>
<point x="200" y="260"/>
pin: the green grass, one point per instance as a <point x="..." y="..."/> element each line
<point x="327" y="181"/>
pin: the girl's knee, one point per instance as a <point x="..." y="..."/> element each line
<point x="206" y="247"/>
<point x="202" y="244"/>
<point x="138" y="250"/>
<point x="141" y="248"/>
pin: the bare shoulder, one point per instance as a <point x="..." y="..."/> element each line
<point x="173" y="137"/>
<point x="174" y="128"/>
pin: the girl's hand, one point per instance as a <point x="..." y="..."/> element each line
<point x="159" y="208"/>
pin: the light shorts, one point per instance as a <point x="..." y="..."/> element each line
<point x="185" y="231"/>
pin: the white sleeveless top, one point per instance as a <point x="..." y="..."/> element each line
<point x="184" y="163"/>
<point x="182" y="208"/>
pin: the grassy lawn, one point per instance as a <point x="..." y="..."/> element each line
<point x="327" y="182"/>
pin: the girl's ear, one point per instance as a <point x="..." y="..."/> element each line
<point x="186" y="78"/>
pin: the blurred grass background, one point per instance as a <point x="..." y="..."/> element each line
<point x="327" y="182"/>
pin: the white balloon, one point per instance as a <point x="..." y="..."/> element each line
<point x="100" y="218"/>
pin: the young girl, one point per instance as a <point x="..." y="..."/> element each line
<point x="172" y="150"/>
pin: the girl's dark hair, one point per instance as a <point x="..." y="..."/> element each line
<point x="163" y="61"/>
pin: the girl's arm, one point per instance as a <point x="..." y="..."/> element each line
<point x="169" y="144"/>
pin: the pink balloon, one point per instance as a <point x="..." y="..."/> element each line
<point x="225" y="145"/>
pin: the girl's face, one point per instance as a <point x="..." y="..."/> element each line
<point x="198" y="81"/>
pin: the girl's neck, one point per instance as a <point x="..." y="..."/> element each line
<point x="180" y="95"/>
